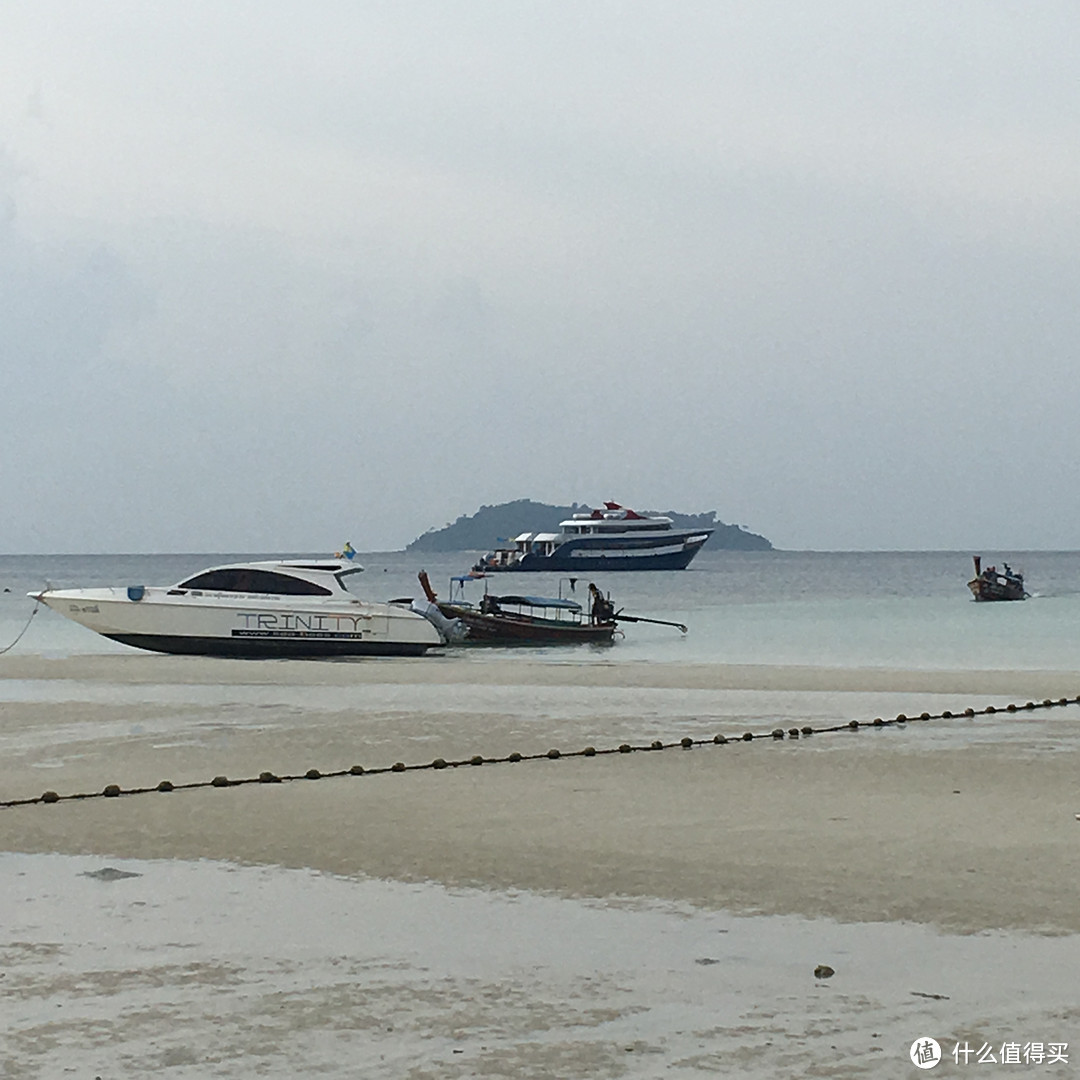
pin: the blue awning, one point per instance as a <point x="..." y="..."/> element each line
<point x="539" y="601"/>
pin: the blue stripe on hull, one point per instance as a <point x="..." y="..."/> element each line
<point x="672" y="560"/>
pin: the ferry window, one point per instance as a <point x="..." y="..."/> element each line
<point x="246" y="580"/>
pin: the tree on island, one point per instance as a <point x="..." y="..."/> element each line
<point x="495" y="526"/>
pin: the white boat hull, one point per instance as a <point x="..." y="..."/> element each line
<point x="262" y="626"/>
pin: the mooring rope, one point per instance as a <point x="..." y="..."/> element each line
<point x="111" y="791"/>
<point x="37" y="604"/>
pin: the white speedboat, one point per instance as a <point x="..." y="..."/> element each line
<point x="258" y="609"/>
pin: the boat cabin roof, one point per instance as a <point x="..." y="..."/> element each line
<point x="516" y="600"/>
<point x="274" y="577"/>
<point x="538" y="601"/>
<point x="615" y="523"/>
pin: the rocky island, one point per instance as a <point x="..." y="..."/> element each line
<point x="491" y="526"/>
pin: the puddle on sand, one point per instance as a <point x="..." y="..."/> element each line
<point x="208" y="966"/>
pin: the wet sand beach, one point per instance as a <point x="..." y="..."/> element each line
<point x="901" y="850"/>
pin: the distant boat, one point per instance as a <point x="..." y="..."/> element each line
<point x="614" y="538"/>
<point x="995" y="584"/>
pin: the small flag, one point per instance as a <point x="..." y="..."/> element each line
<point x="347" y="552"/>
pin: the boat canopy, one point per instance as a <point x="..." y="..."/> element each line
<point x="538" y="601"/>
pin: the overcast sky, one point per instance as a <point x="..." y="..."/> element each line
<point x="274" y="276"/>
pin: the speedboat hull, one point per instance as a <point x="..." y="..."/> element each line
<point x="262" y="627"/>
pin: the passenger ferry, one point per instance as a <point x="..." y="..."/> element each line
<point x="614" y="538"/>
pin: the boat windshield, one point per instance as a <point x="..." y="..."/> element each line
<point x="341" y="575"/>
<point x="242" y="579"/>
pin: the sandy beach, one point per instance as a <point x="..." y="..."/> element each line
<point x="958" y="837"/>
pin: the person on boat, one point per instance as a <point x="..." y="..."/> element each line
<point x="489" y="605"/>
<point x="603" y="610"/>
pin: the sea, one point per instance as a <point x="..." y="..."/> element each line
<point x="909" y="610"/>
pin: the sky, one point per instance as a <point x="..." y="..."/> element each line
<point x="274" y="276"/>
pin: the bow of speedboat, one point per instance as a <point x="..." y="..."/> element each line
<point x="92" y="608"/>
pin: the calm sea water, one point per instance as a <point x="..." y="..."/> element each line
<point x="862" y="609"/>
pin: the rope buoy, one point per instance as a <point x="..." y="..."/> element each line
<point x="112" y="791"/>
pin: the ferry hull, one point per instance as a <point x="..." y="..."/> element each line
<point x="575" y="558"/>
<point x="582" y="561"/>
